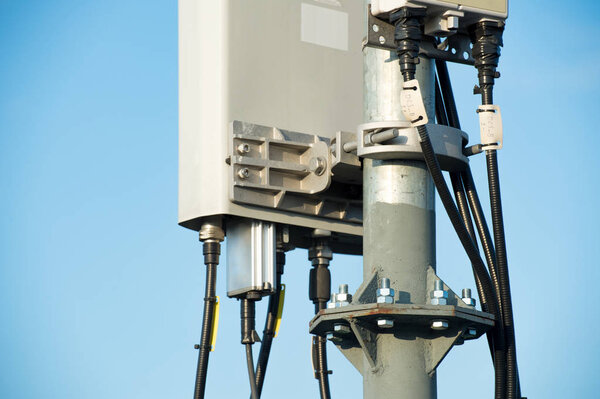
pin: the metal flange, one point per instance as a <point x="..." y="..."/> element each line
<point x="440" y="326"/>
<point x="417" y="317"/>
<point x="402" y="142"/>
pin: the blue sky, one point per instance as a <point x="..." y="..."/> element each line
<point x="101" y="291"/>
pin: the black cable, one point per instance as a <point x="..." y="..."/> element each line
<point x="447" y="94"/>
<point x="251" y="376"/>
<point x="319" y="290"/>
<point x="249" y="336"/>
<point x="269" y="331"/>
<point x="487" y="40"/>
<point x="503" y="277"/>
<point x="211" y="250"/>
<point x="488" y="292"/>
<point x="407" y="38"/>
<point x="482" y="227"/>
<point x="467" y="177"/>
<point x="441" y="116"/>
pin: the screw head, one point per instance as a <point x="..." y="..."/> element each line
<point x="385" y="323"/>
<point x="439" y="324"/>
<point x="317" y="165"/>
<point x="243" y="149"/>
<point x="243" y="173"/>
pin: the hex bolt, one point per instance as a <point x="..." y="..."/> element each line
<point x="385" y="294"/>
<point x="385" y="323"/>
<point x="466" y="297"/>
<point x="317" y="165"/>
<point x="333" y="302"/>
<point x="343" y="297"/>
<point x="439" y="296"/>
<point x="439" y="324"/>
<point x="341" y="329"/>
<point x="243" y="173"/>
<point x="243" y="149"/>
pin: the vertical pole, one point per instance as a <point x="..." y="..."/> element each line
<point x="399" y="232"/>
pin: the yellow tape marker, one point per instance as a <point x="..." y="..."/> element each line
<point x="279" y="310"/>
<point x="215" y="325"/>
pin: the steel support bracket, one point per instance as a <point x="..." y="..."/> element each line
<point x="404" y="143"/>
<point x="416" y="319"/>
<point x="454" y="48"/>
<point x="291" y="171"/>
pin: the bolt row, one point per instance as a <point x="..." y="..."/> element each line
<point x="385" y="294"/>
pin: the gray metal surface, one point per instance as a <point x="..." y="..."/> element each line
<point x="288" y="171"/>
<point x="251" y="265"/>
<point x="399" y="235"/>
<point x="268" y="62"/>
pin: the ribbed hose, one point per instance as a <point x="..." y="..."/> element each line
<point x="467" y="177"/>
<point x="482" y="228"/>
<point x="320" y="359"/>
<point x="503" y="277"/>
<point x="211" y="251"/>
<point x="488" y="293"/>
<point x="441" y="116"/>
<point x="447" y="94"/>
<point x="251" y="376"/>
<point x="269" y="331"/>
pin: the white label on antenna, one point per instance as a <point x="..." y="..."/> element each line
<point x="412" y="104"/>
<point x="324" y="27"/>
<point x="490" y="127"/>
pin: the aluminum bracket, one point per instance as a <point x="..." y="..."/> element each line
<point x="290" y="171"/>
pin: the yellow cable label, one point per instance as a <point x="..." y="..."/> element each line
<point x="279" y="310"/>
<point x="215" y="325"/>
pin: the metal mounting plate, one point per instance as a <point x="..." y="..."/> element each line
<point x="276" y="168"/>
<point x="455" y="48"/>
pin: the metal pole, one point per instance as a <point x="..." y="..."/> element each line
<point x="399" y="233"/>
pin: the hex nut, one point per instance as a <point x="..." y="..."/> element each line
<point x="385" y="323"/>
<point x="331" y="305"/>
<point x="333" y="338"/>
<point x="440" y="294"/>
<point x="470" y="301"/>
<point x="439" y="301"/>
<point x="385" y="292"/>
<point x="385" y="299"/>
<point x="439" y="324"/>
<point x="470" y="333"/>
<point x="341" y="329"/>
<point x="344" y="297"/>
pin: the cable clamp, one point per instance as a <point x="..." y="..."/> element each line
<point x="490" y="127"/>
<point x="411" y="102"/>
